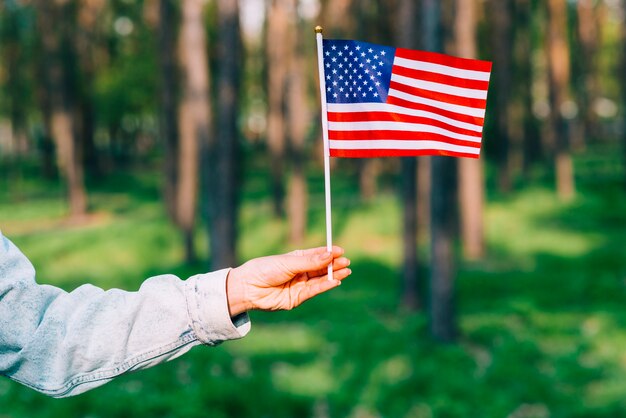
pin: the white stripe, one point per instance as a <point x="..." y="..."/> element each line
<point x="401" y="145"/>
<point x="384" y="107"/>
<point x="464" y="110"/>
<point x="440" y="88"/>
<point x="442" y="69"/>
<point x="399" y="126"/>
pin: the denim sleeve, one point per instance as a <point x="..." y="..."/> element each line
<point x="65" y="343"/>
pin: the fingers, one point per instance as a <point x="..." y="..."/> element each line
<point x="321" y="284"/>
<point x="311" y="260"/>
<point x="336" y="251"/>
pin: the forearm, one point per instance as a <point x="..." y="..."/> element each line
<point x="64" y="343"/>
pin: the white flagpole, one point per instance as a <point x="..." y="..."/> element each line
<point x="329" y="226"/>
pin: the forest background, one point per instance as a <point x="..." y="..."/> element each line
<point x="158" y="136"/>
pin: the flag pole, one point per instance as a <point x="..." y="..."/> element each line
<point x="329" y="226"/>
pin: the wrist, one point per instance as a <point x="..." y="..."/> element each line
<point x="236" y="294"/>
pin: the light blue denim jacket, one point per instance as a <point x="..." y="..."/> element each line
<point x="63" y="344"/>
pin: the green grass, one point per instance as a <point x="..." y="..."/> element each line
<point x="542" y="318"/>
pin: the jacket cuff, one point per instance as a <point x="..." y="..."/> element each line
<point x="207" y="304"/>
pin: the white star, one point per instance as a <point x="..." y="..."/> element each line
<point x="340" y="53"/>
<point x="361" y="65"/>
<point x="334" y="59"/>
<point x="340" y="77"/>
<point x="375" y="57"/>
<point x="368" y="60"/>
<point x="380" y="63"/>
<point x="380" y="74"/>
<point x="377" y="84"/>
<point x="374" y="67"/>
<point x="360" y="76"/>
<point x="375" y="94"/>
<point x="371" y="88"/>
<point x="382" y="53"/>
<point x="327" y="53"/>
<point x="341" y="65"/>
<point x="335" y="95"/>
<point x="350" y="53"/>
<point x="327" y="65"/>
<point x="333" y="47"/>
<point x="358" y="48"/>
<point x="334" y="71"/>
<point x="345" y="47"/>
<point x="362" y="54"/>
<point x="347" y="95"/>
<point x="328" y="89"/>
<point x="354" y="94"/>
<point x="370" y="50"/>
<point x="364" y="94"/>
<point x="334" y="83"/>
<point x="341" y="89"/>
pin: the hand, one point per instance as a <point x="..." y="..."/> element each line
<point x="282" y="282"/>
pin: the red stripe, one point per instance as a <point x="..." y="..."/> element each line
<point x="442" y="97"/>
<point x="449" y="114"/>
<point x="370" y="153"/>
<point x="396" y="117"/>
<point x="440" y="78"/>
<point x="450" y="61"/>
<point x="399" y="136"/>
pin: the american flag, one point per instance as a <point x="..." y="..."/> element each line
<point x="384" y="101"/>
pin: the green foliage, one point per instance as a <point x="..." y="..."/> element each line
<point x="543" y="328"/>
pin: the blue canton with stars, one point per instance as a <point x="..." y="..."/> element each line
<point x="357" y="72"/>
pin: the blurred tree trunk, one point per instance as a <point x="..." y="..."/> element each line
<point x="622" y="72"/>
<point x="559" y="79"/>
<point x="168" y="87"/>
<point x="193" y="117"/>
<point x="500" y="19"/>
<point x="523" y="50"/>
<point x="16" y="84"/>
<point x="85" y="40"/>
<point x="471" y="179"/>
<point x="298" y="120"/>
<point x="53" y="23"/>
<point x="406" y="34"/>
<point x="443" y="266"/>
<point x="277" y="67"/>
<point x="223" y="155"/>
<point x="588" y="87"/>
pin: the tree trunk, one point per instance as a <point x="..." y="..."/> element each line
<point x="298" y="119"/>
<point x="500" y="13"/>
<point x="406" y="35"/>
<point x="52" y="22"/>
<point x="622" y="72"/>
<point x="168" y="87"/>
<point x="471" y="183"/>
<point x="223" y="205"/>
<point x="523" y="49"/>
<point x="559" y="78"/>
<point x="277" y="64"/>
<point x="193" y="115"/>
<point x="588" y="88"/>
<point x="443" y="270"/>
<point x="85" y="40"/>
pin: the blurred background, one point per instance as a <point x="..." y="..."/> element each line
<point x="159" y="136"/>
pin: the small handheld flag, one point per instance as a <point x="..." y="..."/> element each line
<point x="385" y="101"/>
<point x="381" y="101"/>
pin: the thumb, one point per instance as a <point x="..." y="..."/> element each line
<point x="308" y="260"/>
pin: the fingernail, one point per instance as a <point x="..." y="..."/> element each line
<point x="338" y="282"/>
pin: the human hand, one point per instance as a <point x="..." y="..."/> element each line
<point x="282" y="282"/>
